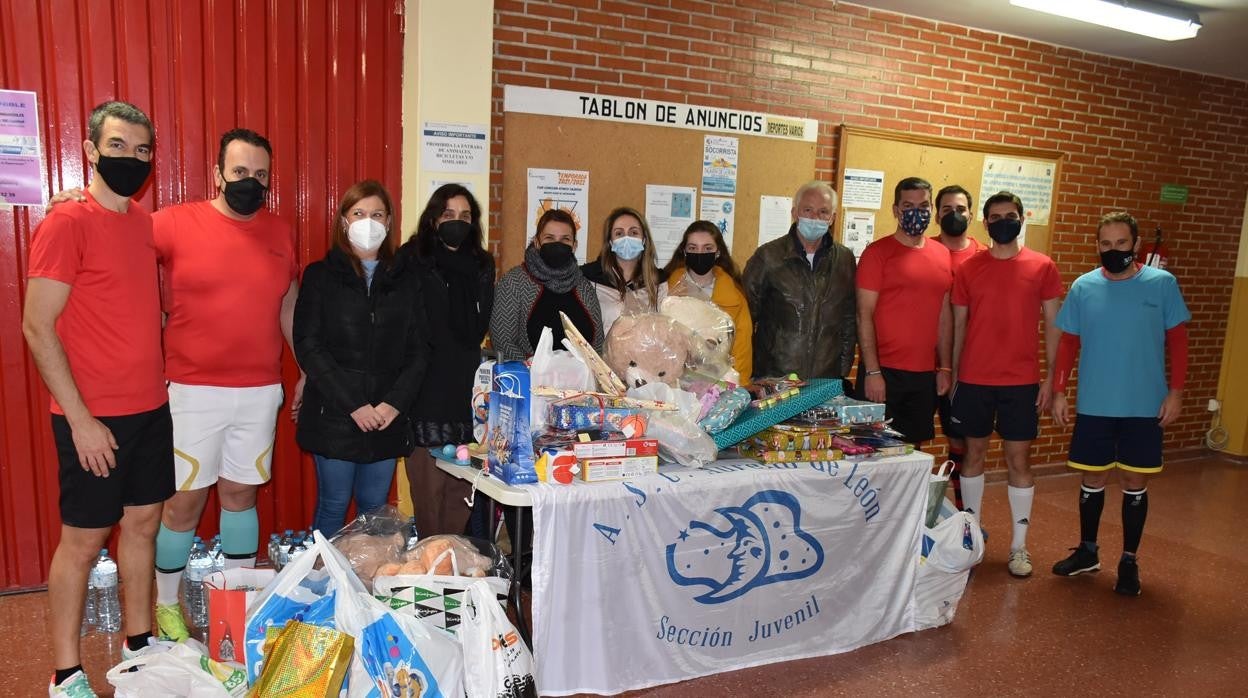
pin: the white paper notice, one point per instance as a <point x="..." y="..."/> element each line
<point x="435" y="184"/>
<point x="669" y="210"/>
<point x="719" y="165"/>
<point x="565" y="189"/>
<point x="1030" y="180"/>
<point x="774" y="217"/>
<point x="862" y="189"/>
<point x="454" y="147"/>
<point x="858" y="230"/>
<point x="721" y="212"/>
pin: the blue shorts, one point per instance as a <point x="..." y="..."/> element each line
<point x="1104" y="443"/>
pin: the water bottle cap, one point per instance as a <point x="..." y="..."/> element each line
<point x="103" y="551"/>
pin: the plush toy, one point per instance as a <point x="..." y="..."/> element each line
<point x="712" y="326"/>
<point x="648" y="348"/>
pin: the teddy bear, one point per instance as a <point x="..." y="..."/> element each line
<point x="648" y="348"/>
<point x="712" y="326"/>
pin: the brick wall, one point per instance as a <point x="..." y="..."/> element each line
<point x="1125" y="127"/>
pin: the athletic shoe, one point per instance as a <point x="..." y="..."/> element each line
<point x="170" y="623"/>
<point x="76" y="686"/>
<point x="1128" y="578"/>
<point x="1079" y="562"/>
<point x="1020" y="563"/>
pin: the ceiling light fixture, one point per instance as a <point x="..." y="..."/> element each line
<point x="1149" y="19"/>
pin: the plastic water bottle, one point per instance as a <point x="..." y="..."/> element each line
<point x="88" y="608"/>
<point x="297" y="549"/>
<point x="274" y="541"/>
<point x="198" y="567"/>
<point x="107" y="604"/>
<point x="218" y="555"/>
<point x="283" y="548"/>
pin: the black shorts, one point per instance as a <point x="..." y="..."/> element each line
<point x="945" y="409"/>
<point x="144" y="472"/>
<point x="1010" y="410"/>
<point x="909" y="400"/>
<point x="1104" y="443"/>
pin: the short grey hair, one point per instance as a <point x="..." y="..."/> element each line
<point x="119" y="110"/>
<point x="815" y="185"/>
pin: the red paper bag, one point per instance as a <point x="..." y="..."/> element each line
<point x="229" y="595"/>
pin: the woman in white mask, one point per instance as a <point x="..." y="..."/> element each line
<point x="364" y="345"/>
<point x="625" y="275"/>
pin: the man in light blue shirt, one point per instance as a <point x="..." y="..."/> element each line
<point x="1121" y="319"/>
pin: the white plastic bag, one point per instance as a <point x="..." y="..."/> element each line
<point x="957" y="543"/>
<point x="680" y="438"/>
<point x="177" y="670"/>
<point x="436" y="599"/>
<point x="398" y="655"/>
<point x="558" y="369"/>
<point x="496" y="660"/>
<point x="301" y="592"/>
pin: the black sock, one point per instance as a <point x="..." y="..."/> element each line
<point x="1091" y="504"/>
<point x="62" y="674"/>
<point x="137" y="642"/>
<point x="1134" y="512"/>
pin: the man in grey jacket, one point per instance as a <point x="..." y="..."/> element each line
<point x="801" y="293"/>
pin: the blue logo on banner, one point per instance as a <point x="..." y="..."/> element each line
<point x="762" y="543"/>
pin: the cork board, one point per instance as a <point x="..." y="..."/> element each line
<point x="623" y="158"/>
<point x="941" y="161"/>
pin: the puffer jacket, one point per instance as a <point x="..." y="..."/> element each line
<point x="805" y="320"/>
<point x="359" y="346"/>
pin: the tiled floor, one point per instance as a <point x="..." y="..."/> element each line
<point x="1044" y="636"/>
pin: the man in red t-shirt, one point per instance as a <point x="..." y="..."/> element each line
<point x="92" y="322"/>
<point x="998" y="363"/>
<point x="905" y="327"/>
<point x="954" y="213"/>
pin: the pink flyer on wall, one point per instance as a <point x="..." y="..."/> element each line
<point x="20" y="180"/>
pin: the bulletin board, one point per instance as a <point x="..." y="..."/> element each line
<point x="942" y="161"/>
<point x="622" y="158"/>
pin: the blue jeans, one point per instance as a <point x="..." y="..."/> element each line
<point x="337" y="480"/>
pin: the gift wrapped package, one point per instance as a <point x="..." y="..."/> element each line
<point x="305" y="661"/>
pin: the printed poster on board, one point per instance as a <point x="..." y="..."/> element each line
<point x="565" y="189"/>
<point x="719" y="165"/>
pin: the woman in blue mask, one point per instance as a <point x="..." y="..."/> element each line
<point x="625" y="275"/>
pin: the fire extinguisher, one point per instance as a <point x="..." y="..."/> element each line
<point x="1157" y="256"/>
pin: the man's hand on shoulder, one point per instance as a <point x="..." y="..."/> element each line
<point x="76" y="194"/>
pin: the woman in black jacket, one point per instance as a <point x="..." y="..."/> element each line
<point x="364" y="345"/>
<point x="457" y="292"/>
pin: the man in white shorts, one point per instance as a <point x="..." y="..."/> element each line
<point x="229" y="283"/>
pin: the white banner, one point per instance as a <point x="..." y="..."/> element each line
<point x="584" y="105"/>
<point x="693" y="572"/>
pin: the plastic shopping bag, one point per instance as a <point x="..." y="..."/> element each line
<point x="436" y="594"/>
<point x="554" y="369"/>
<point x="300" y="592"/>
<point x="955" y="544"/>
<point x="177" y="670"/>
<point x="496" y="660"/>
<point x="398" y="655"/>
<point x="936" y="485"/>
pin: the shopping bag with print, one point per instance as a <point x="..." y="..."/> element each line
<point x="496" y="661"/>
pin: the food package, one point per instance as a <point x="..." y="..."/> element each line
<point x="509" y="443"/>
<point x="616" y="448"/>
<point x="603" y="469"/>
<point x="306" y="661"/>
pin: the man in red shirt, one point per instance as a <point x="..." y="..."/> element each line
<point x="995" y="298"/>
<point x="905" y="325"/>
<point x="954" y="213"/>
<point x="92" y="321"/>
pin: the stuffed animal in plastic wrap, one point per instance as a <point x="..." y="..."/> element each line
<point x="713" y="327"/>
<point x="648" y="348"/>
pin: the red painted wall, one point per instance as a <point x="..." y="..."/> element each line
<point x="1125" y="127"/>
<point x="321" y="79"/>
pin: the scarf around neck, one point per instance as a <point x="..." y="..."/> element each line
<point x="557" y="280"/>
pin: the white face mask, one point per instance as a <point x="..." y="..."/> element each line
<point x="366" y="234"/>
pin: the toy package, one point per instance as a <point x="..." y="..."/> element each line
<point x="601" y="469"/>
<point x="482" y="384"/>
<point x="597" y="412"/>
<point x="510" y="447"/>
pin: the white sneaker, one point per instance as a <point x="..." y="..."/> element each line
<point x="76" y="686"/>
<point x="1020" y="563"/>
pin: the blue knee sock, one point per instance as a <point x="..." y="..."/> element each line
<point x="172" y="549"/>
<point x="240" y="534"/>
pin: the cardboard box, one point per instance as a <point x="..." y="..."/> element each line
<point x="604" y="469"/>
<point x="624" y="448"/>
<point x="509" y="455"/>
<point x="482" y="384"/>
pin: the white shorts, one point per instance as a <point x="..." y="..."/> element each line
<point x="223" y="432"/>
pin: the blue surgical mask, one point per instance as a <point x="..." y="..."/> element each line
<point x="914" y="221"/>
<point x="627" y="248"/>
<point x="811" y="228"/>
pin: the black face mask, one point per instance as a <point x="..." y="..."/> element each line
<point x="245" y="196"/>
<point x="453" y="233"/>
<point x="124" y="176"/>
<point x="1117" y="261"/>
<point x="556" y="255"/>
<point x="700" y="262"/>
<point x="1005" y="230"/>
<point x="953" y="223"/>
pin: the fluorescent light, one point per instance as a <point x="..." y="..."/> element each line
<point x="1159" y="22"/>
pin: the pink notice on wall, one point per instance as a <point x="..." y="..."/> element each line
<point x="20" y="181"/>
